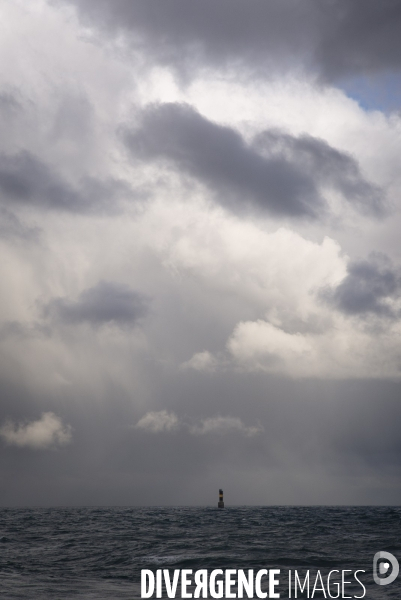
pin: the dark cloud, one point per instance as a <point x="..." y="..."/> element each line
<point x="325" y="166"/>
<point x="367" y="288"/>
<point x="106" y="302"/>
<point x="360" y="37"/>
<point x="26" y="180"/>
<point x="278" y="172"/>
<point x="336" y="38"/>
<point x="188" y="35"/>
<point x="219" y="158"/>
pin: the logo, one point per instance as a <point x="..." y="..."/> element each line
<point x="386" y="559"/>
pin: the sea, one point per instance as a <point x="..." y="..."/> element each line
<point x="98" y="553"/>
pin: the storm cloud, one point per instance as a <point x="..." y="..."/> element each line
<point x="324" y="165"/>
<point x="238" y="329"/>
<point x="219" y="157"/>
<point x="334" y="39"/>
<point x="277" y="172"/>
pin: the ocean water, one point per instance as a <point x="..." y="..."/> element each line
<point x="98" y="553"/>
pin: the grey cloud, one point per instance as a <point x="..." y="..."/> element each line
<point x="12" y="228"/>
<point x="187" y="35"/>
<point x="277" y="172"/>
<point x="367" y="288"/>
<point x="17" y="330"/>
<point x="334" y="37"/>
<point x="106" y="302"/>
<point x="9" y="103"/>
<point x="26" y="180"/>
<point x="219" y="157"/>
<point x="324" y="441"/>
<point x="360" y="37"/>
<point x="325" y="165"/>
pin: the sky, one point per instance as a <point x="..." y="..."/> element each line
<point x="200" y="252"/>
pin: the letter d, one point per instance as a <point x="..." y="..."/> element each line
<point x="382" y="569"/>
<point x="146" y="575"/>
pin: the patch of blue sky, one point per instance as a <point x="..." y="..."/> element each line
<point x="375" y="92"/>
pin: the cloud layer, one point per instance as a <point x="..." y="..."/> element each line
<point x="334" y="38"/>
<point x="199" y="232"/>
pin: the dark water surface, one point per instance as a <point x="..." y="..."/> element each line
<point x="98" y="553"/>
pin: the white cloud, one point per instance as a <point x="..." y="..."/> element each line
<point x="278" y="276"/>
<point x="47" y="431"/>
<point x="348" y="349"/>
<point x="155" y="422"/>
<point x="201" y="361"/>
<point x="254" y="339"/>
<point x="159" y="421"/>
<point x="224" y="425"/>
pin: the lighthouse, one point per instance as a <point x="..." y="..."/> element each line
<point x="221" y="502"/>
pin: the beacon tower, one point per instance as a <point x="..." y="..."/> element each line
<point x="221" y="502"/>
